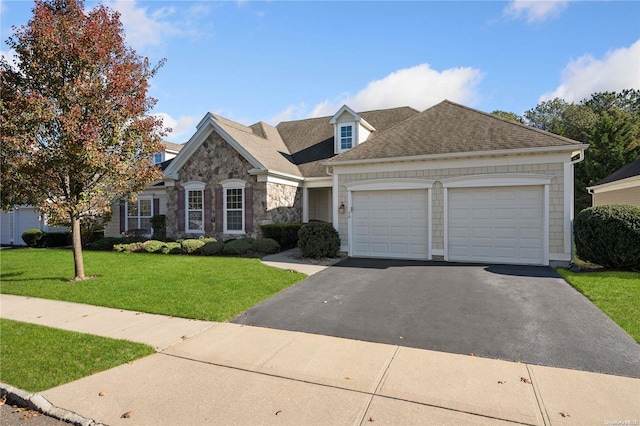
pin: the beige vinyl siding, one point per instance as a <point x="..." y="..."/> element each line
<point x="556" y="195"/>
<point x="629" y="196"/>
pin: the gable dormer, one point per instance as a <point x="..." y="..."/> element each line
<point x="349" y="129"/>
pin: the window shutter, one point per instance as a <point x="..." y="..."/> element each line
<point x="219" y="211"/>
<point x="156" y="207"/>
<point x="180" y="211"/>
<point x="123" y="217"/>
<point x="248" y="209"/>
<point x="207" y="210"/>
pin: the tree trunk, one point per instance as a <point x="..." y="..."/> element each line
<point x="77" y="249"/>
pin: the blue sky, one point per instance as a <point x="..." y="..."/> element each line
<point x="276" y="61"/>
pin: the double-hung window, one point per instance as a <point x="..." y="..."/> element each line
<point x="346" y="137"/>
<point x="139" y="214"/>
<point x="233" y="203"/>
<point x="195" y="210"/>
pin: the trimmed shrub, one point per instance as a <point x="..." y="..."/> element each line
<point x="318" y="239"/>
<point x="56" y="239"/>
<point x="286" y="234"/>
<point x="208" y="240"/>
<point x="266" y="245"/>
<point x="105" y="243"/>
<point x="609" y="236"/>
<point x="212" y="248"/>
<point x="153" y="246"/>
<point x="159" y="225"/>
<point x="171" y="248"/>
<point x="130" y="248"/>
<point x="33" y="237"/>
<point x="191" y="246"/>
<point x="237" y="247"/>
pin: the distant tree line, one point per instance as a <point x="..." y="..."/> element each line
<point x="608" y="121"/>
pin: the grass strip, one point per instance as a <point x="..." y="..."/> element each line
<point x="616" y="293"/>
<point x="35" y="358"/>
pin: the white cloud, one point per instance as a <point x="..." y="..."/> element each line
<point x="181" y="128"/>
<point x="533" y="11"/>
<point x="142" y="27"/>
<point x="149" y="28"/>
<point x="292" y="112"/>
<point x="419" y="87"/>
<point x="618" y="70"/>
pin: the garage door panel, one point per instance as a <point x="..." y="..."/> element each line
<point x="396" y="225"/>
<point x="502" y="224"/>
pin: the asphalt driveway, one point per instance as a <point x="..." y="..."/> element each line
<point x="515" y="313"/>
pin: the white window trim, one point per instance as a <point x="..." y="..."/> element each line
<point x="193" y="186"/>
<point x="232" y="184"/>
<point x="161" y="154"/>
<point x="354" y="136"/>
<point x="492" y="180"/>
<point x="126" y="212"/>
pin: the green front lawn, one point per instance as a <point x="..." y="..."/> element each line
<point x="36" y="358"/>
<point x="616" y="293"/>
<point x="207" y="288"/>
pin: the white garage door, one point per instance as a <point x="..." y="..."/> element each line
<point x="6" y="227"/>
<point x="496" y="224"/>
<point x="390" y="224"/>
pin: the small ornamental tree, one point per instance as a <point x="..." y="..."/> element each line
<point x="74" y="116"/>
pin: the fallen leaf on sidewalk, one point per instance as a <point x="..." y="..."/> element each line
<point x="371" y="419"/>
<point x="101" y="393"/>
<point x="502" y="382"/>
<point x="3" y="400"/>
<point x="278" y="412"/>
<point x="349" y="378"/>
<point x="472" y="354"/>
<point x="565" y="414"/>
<point x="126" y="415"/>
<point x="131" y="362"/>
<point x="184" y="337"/>
<point x="524" y="379"/>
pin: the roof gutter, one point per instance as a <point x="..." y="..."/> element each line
<point x="450" y="155"/>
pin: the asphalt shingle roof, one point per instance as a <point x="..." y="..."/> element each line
<point x="270" y="151"/>
<point x="451" y="128"/>
<point x="311" y="141"/>
<point x="629" y="170"/>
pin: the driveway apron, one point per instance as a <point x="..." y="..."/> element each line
<point x="516" y="313"/>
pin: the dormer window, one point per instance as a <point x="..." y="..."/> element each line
<point x="349" y="129"/>
<point x="158" y="157"/>
<point x="346" y="137"/>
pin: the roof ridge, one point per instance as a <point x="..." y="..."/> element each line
<point x="358" y="112"/>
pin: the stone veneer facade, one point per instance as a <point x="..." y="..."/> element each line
<point x="427" y="171"/>
<point x="216" y="161"/>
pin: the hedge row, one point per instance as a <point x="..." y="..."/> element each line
<point x="609" y="236"/>
<point x="38" y="238"/>
<point x="203" y="246"/>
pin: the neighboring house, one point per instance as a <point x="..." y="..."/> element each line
<point x="620" y="187"/>
<point x="449" y="183"/>
<point x="14" y="222"/>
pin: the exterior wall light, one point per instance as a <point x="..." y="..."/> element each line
<point x="341" y="209"/>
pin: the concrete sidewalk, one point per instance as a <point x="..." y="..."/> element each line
<point x="221" y="373"/>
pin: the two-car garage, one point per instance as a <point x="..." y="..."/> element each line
<point x="482" y="220"/>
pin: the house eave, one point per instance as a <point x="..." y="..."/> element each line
<point x="629" y="182"/>
<point x="502" y="152"/>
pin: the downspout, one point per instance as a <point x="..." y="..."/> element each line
<point x="572" y="211"/>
